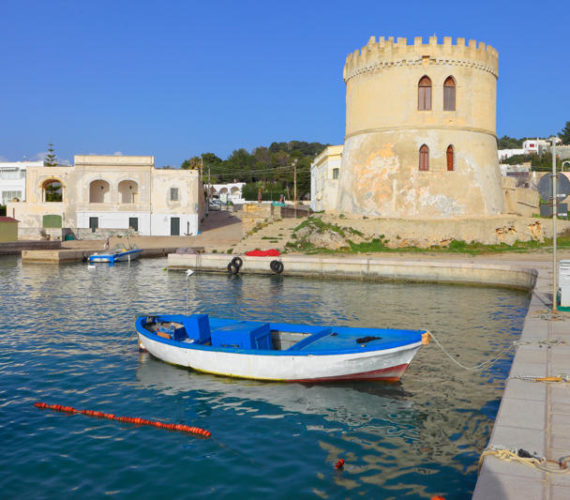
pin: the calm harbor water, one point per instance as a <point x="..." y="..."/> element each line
<point x="67" y="337"/>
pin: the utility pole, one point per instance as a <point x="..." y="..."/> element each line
<point x="295" y="182"/>
<point x="554" y="217"/>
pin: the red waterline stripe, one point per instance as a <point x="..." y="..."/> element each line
<point x="392" y="374"/>
<point x="130" y="420"/>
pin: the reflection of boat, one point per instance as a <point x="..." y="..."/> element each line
<point x="118" y="255"/>
<point x="278" y="351"/>
<point x="353" y="404"/>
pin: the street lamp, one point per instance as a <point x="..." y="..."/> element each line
<point x="554" y="217"/>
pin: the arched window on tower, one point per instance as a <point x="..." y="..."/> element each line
<point x="424" y="94"/>
<point x="424" y="158"/>
<point x="450" y="158"/>
<point x="449" y="94"/>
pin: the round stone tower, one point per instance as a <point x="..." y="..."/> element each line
<point x="421" y="130"/>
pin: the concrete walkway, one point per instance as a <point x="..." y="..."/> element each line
<point x="533" y="416"/>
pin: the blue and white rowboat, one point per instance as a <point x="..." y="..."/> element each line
<point x="279" y="351"/>
<point x="122" y="255"/>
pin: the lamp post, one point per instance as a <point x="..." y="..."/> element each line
<point x="554" y="217"/>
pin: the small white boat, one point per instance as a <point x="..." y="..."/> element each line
<point x="118" y="255"/>
<point x="279" y="351"/>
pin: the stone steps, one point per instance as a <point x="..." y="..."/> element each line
<point x="274" y="235"/>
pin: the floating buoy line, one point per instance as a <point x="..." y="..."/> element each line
<point x="130" y="420"/>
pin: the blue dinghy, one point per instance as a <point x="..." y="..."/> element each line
<point x="279" y="351"/>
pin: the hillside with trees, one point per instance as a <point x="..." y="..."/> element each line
<point x="269" y="168"/>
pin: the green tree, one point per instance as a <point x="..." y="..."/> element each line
<point x="565" y="134"/>
<point x="507" y="142"/>
<point x="50" y="160"/>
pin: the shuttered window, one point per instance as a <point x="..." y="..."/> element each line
<point x="424" y="94"/>
<point x="450" y="158"/>
<point x="424" y="158"/>
<point x="449" y="94"/>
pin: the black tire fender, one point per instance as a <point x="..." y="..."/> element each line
<point x="233" y="268"/>
<point x="276" y="266"/>
<point x="237" y="261"/>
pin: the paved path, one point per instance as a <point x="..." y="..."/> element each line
<point x="533" y="416"/>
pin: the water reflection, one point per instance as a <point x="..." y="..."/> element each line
<point x="353" y="404"/>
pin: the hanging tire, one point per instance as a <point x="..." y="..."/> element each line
<point x="276" y="266"/>
<point x="238" y="262"/>
<point x="233" y="268"/>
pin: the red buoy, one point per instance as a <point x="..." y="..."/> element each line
<point x="340" y="464"/>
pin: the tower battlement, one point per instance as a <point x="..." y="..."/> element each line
<point x="386" y="53"/>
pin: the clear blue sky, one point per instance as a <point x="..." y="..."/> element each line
<point x="178" y="78"/>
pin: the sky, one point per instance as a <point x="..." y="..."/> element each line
<point x="174" y="79"/>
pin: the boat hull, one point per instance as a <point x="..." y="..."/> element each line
<point x="284" y="366"/>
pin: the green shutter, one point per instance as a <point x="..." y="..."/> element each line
<point x="51" y="221"/>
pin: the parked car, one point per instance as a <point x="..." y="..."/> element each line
<point x="215" y="204"/>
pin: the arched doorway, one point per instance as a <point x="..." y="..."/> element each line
<point x="128" y="192"/>
<point x="99" y="192"/>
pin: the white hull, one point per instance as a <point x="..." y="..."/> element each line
<point x="386" y="364"/>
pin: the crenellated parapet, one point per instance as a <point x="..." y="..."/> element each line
<point x="387" y="53"/>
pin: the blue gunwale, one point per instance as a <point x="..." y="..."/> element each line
<point x="400" y="338"/>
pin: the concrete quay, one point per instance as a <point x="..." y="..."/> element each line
<point x="62" y="256"/>
<point x="533" y="415"/>
<point x="368" y="268"/>
<point x="17" y="247"/>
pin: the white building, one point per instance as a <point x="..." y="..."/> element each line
<point x="538" y="146"/>
<point x="13" y="180"/>
<point x="507" y="153"/>
<point x="231" y="191"/>
<point x="107" y="195"/>
<point x="325" y="173"/>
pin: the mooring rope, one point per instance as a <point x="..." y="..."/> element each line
<point x="530" y="378"/>
<point x="480" y="366"/>
<point x="521" y="456"/>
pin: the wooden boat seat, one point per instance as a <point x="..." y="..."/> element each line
<point x="299" y="346"/>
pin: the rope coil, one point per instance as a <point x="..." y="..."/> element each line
<point x="524" y="457"/>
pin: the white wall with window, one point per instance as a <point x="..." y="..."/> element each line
<point x="325" y="178"/>
<point x="13" y="180"/>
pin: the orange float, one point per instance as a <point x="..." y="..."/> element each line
<point x="130" y="420"/>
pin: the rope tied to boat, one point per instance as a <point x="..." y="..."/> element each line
<point x="478" y="367"/>
<point x="560" y="466"/>
<point x="131" y="420"/>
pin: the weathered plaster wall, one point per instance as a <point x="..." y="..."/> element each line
<point x="324" y="187"/>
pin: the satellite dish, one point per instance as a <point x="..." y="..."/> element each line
<point x="562" y="187"/>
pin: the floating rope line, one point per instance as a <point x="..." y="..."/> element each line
<point x="524" y="457"/>
<point x="130" y="420"/>
<point x="480" y="366"/>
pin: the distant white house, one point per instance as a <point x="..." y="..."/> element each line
<point x="325" y="174"/>
<point x="507" y="153"/>
<point x="537" y="146"/>
<point x="13" y="180"/>
<point x="232" y="191"/>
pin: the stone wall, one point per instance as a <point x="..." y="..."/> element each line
<point x="255" y="214"/>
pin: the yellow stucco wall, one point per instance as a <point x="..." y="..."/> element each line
<point x="384" y="131"/>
